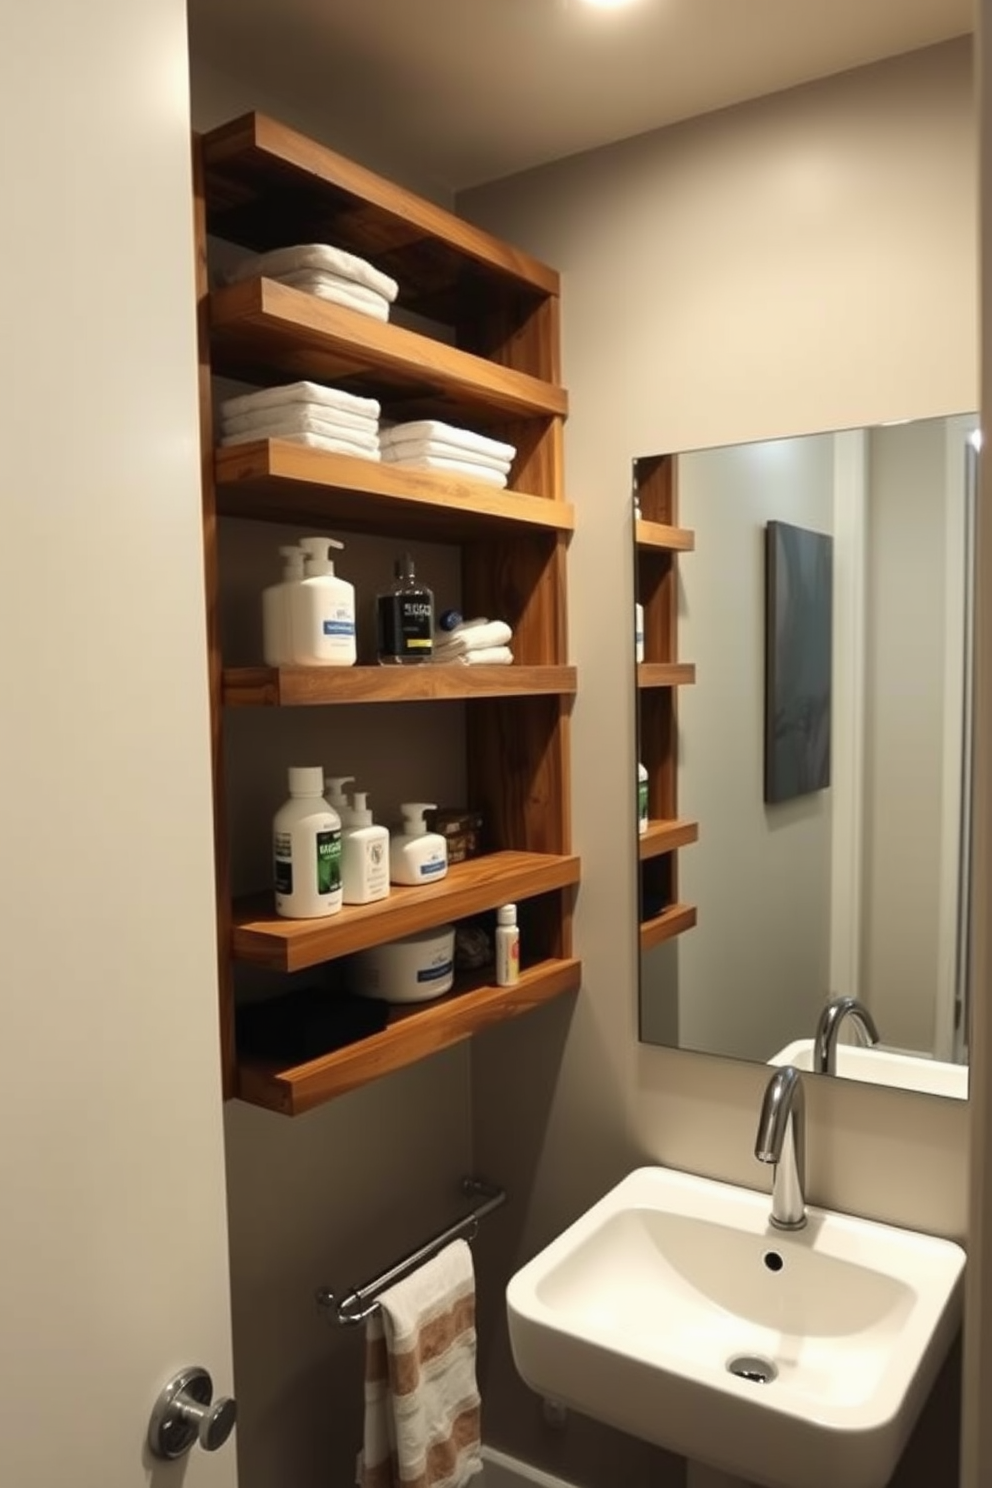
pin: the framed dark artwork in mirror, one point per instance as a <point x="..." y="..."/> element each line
<point x="798" y="660"/>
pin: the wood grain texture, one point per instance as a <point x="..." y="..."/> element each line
<point x="259" y="936"/>
<point x="674" y="921"/>
<point x="522" y="580"/>
<point x="666" y="674"/>
<point x="412" y="1036"/>
<point x="255" y="156"/>
<point x="263" y="330"/>
<point x="518" y="772"/>
<point x="656" y="478"/>
<point x="312" y="687"/>
<point x="274" y="481"/>
<point x="669" y="539"/>
<point x="665" y="837"/>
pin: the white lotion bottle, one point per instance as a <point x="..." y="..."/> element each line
<point x="306" y="847"/>
<point x="507" y="946"/>
<point x="417" y="856"/>
<point x="322" y="610"/>
<point x="277" y="639"/>
<point x="364" y="855"/>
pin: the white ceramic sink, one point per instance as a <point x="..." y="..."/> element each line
<point x="880" y="1066"/>
<point x="636" y="1312"/>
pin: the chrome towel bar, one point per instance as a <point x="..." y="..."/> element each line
<point x="362" y="1301"/>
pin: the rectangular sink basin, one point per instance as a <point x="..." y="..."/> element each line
<point x="880" y="1066"/>
<point x="674" y="1311"/>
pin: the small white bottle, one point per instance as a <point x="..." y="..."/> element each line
<point x="642" y="799"/>
<point x="322" y="610"/>
<point x="638" y="633"/>
<point x="507" y="946"/>
<point x="277" y="640"/>
<point x="306" y="846"/>
<point x="417" y="856"/>
<point x="364" y="855"/>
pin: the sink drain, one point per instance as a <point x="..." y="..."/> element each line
<point x="750" y="1367"/>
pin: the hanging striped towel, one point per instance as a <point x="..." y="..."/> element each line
<point x="421" y="1399"/>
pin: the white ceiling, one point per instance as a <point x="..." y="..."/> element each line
<point x="479" y="89"/>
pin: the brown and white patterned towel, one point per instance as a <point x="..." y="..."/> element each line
<point x="421" y="1399"/>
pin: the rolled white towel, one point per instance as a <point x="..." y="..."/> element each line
<point x="314" y="256"/>
<point x="450" y="467"/>
<point x="312" y="441"/>
<point x="337" y="291"/>
<point x="302" y="422"/>
<point x="300" y="392"/>
<point x="486" y="656"/>
<point x="465" y="439"/>
<point x="473" y="637"/>
<point x="350" y="425"/>
<point x="418" y="449"/>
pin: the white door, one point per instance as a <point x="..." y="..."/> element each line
<point x="113" y="1247"/>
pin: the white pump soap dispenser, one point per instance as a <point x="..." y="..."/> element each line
<point x="322" y="610"/>
<point x="277" y="639"/>
<point x="417" y="856"/>
<point x="364" y="855"/>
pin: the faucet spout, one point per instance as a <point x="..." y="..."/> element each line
<point x="828" y="1029"/>
<point x="781" y="1141"/>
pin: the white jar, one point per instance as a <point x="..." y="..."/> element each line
<point x="306" y="847"/>
<point x="417" y="856"/>
<point x="364" y="855"/>
<point x="415" y="969"/>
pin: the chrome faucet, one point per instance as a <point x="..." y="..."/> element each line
<point x="828" y="1027"/>
<point x="781" y="1140"/>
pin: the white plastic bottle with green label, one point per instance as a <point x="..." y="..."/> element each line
<point x="306" y="847"/>
<point x="322" y="610"/>
<point x="364" y="855"/>
<point x="417" y="856"/>
<point x="642" y="799"/>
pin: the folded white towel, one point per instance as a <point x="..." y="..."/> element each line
<point x="422" y="1406"/>
<point x="314" y="256"/>
<point x="450" y="434"/>
<point x="338" y="291"/>
<point x="485" y="656"/>
<point x="451" y="467"/>
<point x="312" y="441"/>
<point x="466" y="638"/>
<point x="418" y="449"/>
<point x="300" y="392"/>
<point x="353" y="425"/>
<point x="303" y="423"/>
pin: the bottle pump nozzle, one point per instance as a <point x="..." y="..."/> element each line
<point x="317" y="550"/>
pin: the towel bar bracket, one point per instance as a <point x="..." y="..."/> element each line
<point x="361" y="1302"/>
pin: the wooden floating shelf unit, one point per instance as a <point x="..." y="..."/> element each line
<point x="413" y="1034"/>
<point x="666" y="674"/>
<point x="291" y="687"/>
<point x="666" y="539"/>
<point x="665" y="837"/>
<point x="262" y="327"/>
<point x="259" y="936"/>
<point x="671" y="922"/>
<point x="271" y="480"/>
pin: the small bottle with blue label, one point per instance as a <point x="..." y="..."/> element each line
<point x="405" y="619"/>
<point x="417" y="856"/>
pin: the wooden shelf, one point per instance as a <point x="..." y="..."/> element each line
<point x="671" y="922"/>
<point x="657" y="535"/>
<point x="261" y="937"/>
<point x="253" y="160"/>
<point x="293" y="687"/>
<point x="412" y="1034"/>
<point x="665" y="837"/>
<point x="261" y="328"/>
<point x="271" y="480"/>
<point x="665" y="674"/>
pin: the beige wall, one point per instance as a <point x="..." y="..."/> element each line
<point x="802" y="263"/>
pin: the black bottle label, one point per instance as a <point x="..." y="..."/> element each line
<point x="406" y="626"/>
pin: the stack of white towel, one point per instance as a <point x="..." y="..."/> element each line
<point x="478" y="642"/>
<point x="320" y="269"/>
<point x="429" y="444"/>
<point x="304" y="413"/>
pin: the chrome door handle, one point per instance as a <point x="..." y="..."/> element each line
<point x="186" y="1412"/>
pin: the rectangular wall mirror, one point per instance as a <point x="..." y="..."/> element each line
<point x="803" y="657"/>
